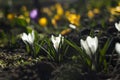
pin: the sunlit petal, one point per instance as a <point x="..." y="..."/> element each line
<point x="72" y="26"/>
<point x="84" y="45"/>
<point x="92" y="43"/>
<point x="117" y="48"/>
<point x="28" y="38"/>
<point x="24" y="37"/>
<point x="117" y="26"/>
<point x="56" y="41"/>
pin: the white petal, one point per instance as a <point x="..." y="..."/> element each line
<point x="56" y="41"/>
<point x="52" y="39"/>
<point x="117" y="48"/>
<point x="117" y="26"/>
<point x="31" y="37"/>
<point x="59" y="36"/>
<point x="62" y="38"/>
<point x="92" y="43"/>
<point x="56" y="46"/>
<point x="72" y="26"/>
<point x="84" y="45"/>
<point x="96" y="43"/>
<point x="24" y="37"/>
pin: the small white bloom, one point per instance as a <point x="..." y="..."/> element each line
<point x="56" y="41"/>
<point x="72" y="26"/>
<point x="117" y="26"/>
<point x="90" y="45"/>
<point x="28" y="38"/>
<point x="117" y="48"/>
<point x="85" y="46"/>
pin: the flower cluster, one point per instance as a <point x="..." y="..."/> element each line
<point x="56" y="41"/>
<point x="28" y="38"/>
<point x="90" y="45"/>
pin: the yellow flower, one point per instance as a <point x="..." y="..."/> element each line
<point x="43" y="21"/>
<point x="59" y="9"/>
<point x="67" y="13"/>
<point x="73" y="18"/>
<point x="53" y="21"/>
<point x="23" y="8"/>
<point x="96" y="11"/>
<point x="90" y="14"/>
<point x="112" y="11"/>
<point x="10" y="16"/>
<point x="115" y="10"/>
<point x="27" y="19"/>
<point x="118" y="9"/>
<point x="57" y="17"/>
<point x="65" y="32"/>
<point x="21" y="17"/>
<point x="119" y="3"/>
<point x="26" y="14"/>
<point x="47" y="11"/>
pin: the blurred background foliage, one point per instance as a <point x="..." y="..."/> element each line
<point x="53" y="16"/>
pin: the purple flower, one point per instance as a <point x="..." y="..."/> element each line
<point x="34" y="13"/>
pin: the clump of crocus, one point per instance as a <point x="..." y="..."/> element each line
<point x="56" y="41"/>
<point x="32" y="45"/>
<point x="58" y="15"/>
<point x="90" y="45"/>
<point x="93" y="58"/>
<point x="117" y="26"/>
<point x="28" y="38"/>
<point x="56" y="50"/>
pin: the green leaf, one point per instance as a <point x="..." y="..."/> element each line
<point x="105" y="48"/>
<point x="74" y="46"/>
<point x="20" y="22"/>
<point x="85" y="59"/>
<point x="27" y="48"/>
<point x="103" y="51"/>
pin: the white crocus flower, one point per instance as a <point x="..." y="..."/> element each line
<point x="117" y="26"/>
<point x="117" y="48"/>
<point x="72" y="26"/>
<point x="56" y="41"/>
<point x="90" y="45"/>
<point x="28" y="38"/>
